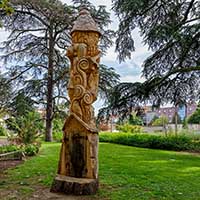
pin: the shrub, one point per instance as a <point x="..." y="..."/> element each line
<point x="195" y="117"/>
<point x="57" y="136"/>
<point x="9" y="148"/>
<point x="2" y="131"/>
<point x="177" y="143"/>
<point x="135" y="120"/>
<point x="28" y="128"/>
<point x="127" y="128"/>
<point x="153" y="120"/>
<point x="179" y="120"/>
<point x="31" y="149"/>
<point x="185" y="123"/>
<point x="161" y="121"/>
<point x="57" y="129"/>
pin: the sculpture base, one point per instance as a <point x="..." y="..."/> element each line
<point x="75" y="186"/>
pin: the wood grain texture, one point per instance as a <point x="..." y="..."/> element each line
<point x="79" y="151"/>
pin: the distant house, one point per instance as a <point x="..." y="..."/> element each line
<point x="183" y="111"/>
<point x="150" y="114"/>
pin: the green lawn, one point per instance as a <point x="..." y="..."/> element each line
<point x="126" y="173"/>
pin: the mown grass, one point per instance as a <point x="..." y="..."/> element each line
<point x="126" y="173"/>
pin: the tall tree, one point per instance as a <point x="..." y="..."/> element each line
<point x="21" y="105"/>
<point x="5" y="93"/>
<point x="37" y="43"/>
<point x="171" y="29"/>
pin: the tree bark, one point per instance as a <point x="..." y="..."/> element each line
<point x="50" y="84"/>
<point x="176" y="119"/>
<point x="186" y="113"/>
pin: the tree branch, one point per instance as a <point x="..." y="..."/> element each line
<point x="17" y="76"/>
<point x="34" y="15"/>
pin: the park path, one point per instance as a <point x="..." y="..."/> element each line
<point x="41" y="193"/>
<point x="45" y="194"/>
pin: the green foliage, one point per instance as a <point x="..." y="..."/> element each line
<point x="154" y="119"/>
<point x="9" y="148"/>
<point x="57" y="129"/>
<point x="5" y="92"/>
<point x="185" y="123"/>
<point x="4" y="4"/>
<point x="161" y="121"/>
<point x="31" y="149"/>
<point x="128" y="128"/>
<point x="10" y="124"/>
<point x="179" y="121"/>
<point x="122" y="98"/>
<point x="176" y="143"/>
<point x="134" y="120"/>
<point x="21" y="104"/>
<point x="108" y="78"/>
<point x="3" y="131"/>
<point x="195" y="117"/>
<point x="28" y="128"/>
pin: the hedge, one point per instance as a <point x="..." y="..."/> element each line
<point x="176" y="143"/>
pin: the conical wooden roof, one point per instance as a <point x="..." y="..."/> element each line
<point x="85" y="22"/>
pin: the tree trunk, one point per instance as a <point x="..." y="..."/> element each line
<point x="176" y="119"/>
<point x="49" y="108"/>
<point x="186" y="113"/>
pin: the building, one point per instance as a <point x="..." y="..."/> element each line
<point x="169" y="112"/>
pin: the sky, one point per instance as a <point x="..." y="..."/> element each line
<point x="130" y="70"/>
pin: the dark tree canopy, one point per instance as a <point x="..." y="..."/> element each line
<point x="21" y="105"/>
<point x="161" y="22"/>
<point x="5" y="93"/>
<point x="171" y="29"/>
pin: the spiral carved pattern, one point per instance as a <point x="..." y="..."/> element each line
<point x="79" y="91"/>
<point x="84" y="57"/>
<point x="84" y="64"/>
<point x="88" y="98"/>
<point x="78" y="80"/>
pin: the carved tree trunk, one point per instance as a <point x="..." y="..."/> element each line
<point x="78" y="164"/>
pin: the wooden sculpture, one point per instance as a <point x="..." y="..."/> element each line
<point x="78" y="164"/>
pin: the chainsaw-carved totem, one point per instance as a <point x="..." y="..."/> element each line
<point x="78" y="164"/>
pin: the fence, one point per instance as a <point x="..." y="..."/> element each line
<point x="191" y="127"/>
<point x="15" y="155"/>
